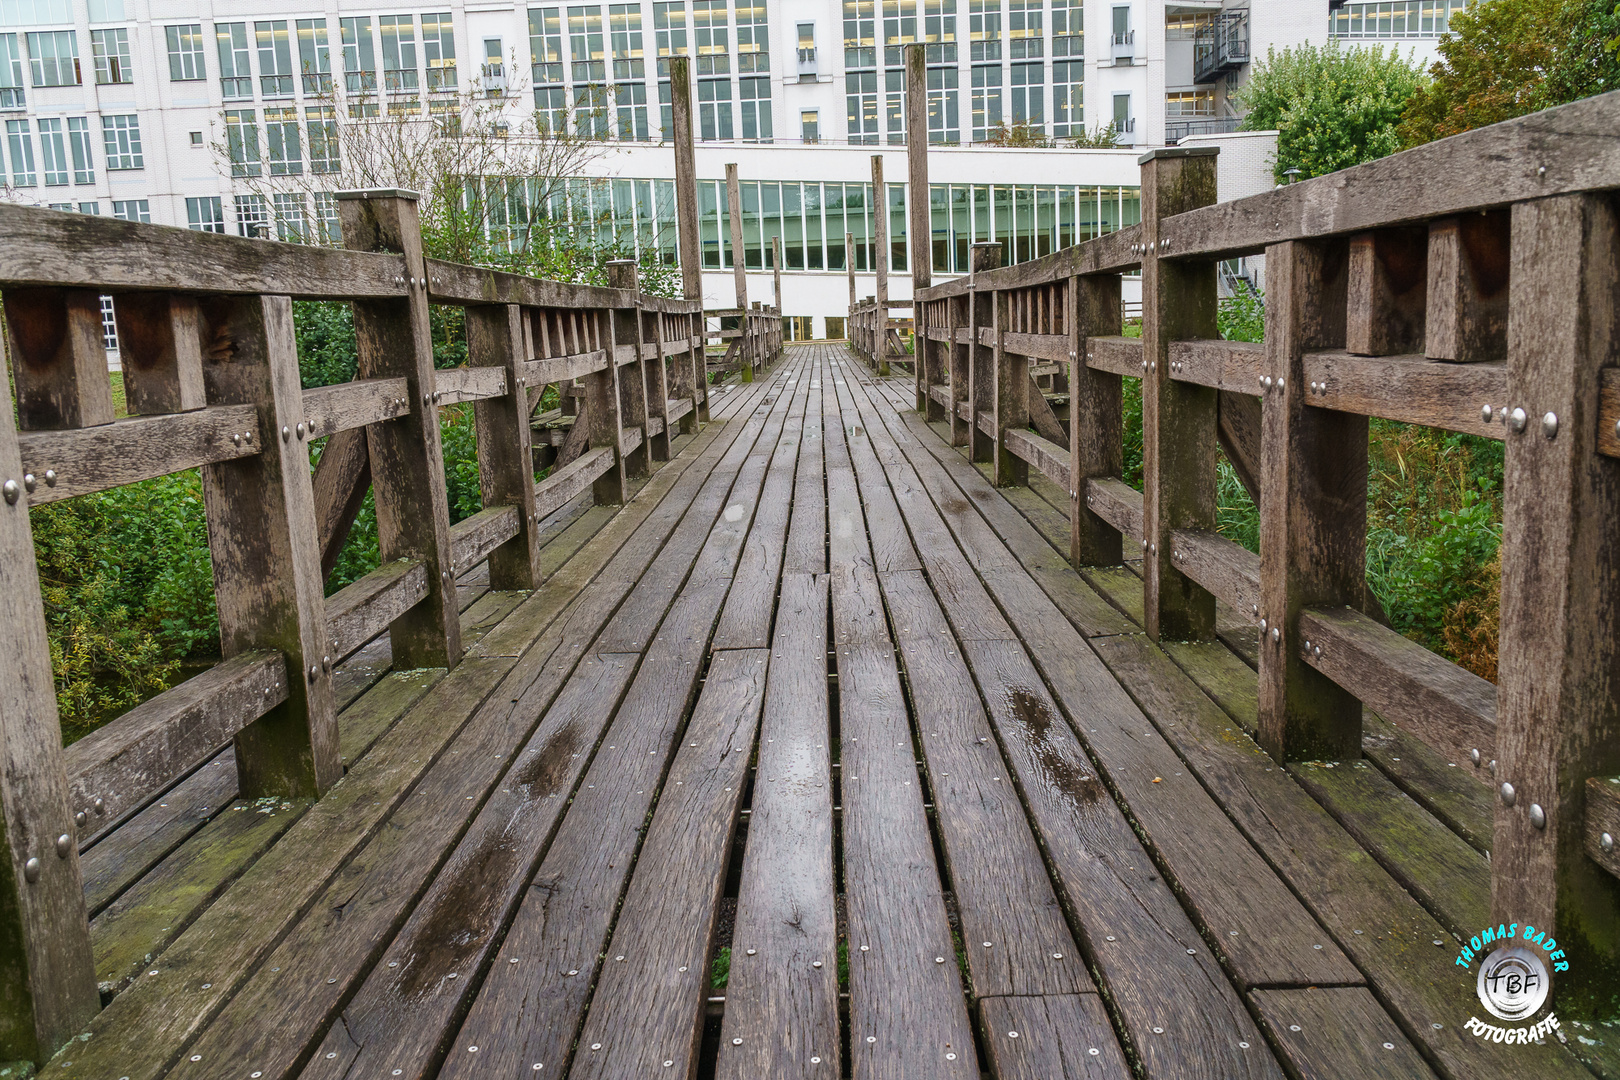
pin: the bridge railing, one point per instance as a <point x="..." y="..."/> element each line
<point x="1469" y="285"/>
<point x="751" y="345"/>
<point x="211" y="378"/>
<point x="875" y="333"/>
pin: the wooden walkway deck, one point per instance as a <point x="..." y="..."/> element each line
<point x="821" y="700"/>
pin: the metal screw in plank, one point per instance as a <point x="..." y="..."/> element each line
<point x="1473" y="755"/>
<point x="1538" y="816"/>
<point x="50" y="475"/>
<point x="1549" y="426"/>
<point x="1485" y="413"/>
<point x="31" y="870"/>
<point x="12" y="492"/>
<point x="1606" y="842"/>
<point x="1517" y="419"/>
<point x="1509" y="796"/>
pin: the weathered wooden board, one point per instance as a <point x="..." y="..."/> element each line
<point x="341" y="406"/>
<point x="782" y="999"/>
<point x="361" y="610"/>
<point x="473" y="538"/>
<point x="1056" y="1037"/>
<point x="1337" y="1033"/>
<point x="456" y="385"/>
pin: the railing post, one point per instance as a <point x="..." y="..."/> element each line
<point x="1313" y="506"/>
<point x="496" y="337"/>
<point x="981" y="371"/>
<point x="1178" y="419"/>
<point x="45" y="957"/>
<point x="643" y="389"/>
<point x="880" y="258"/>
<point x="958" y="359"/>
<point x="1558" y="713"/>
<point x="603" y="413"/>
<point x="849" y="271"/>
<point x="686" y="229"/>
<point x="920" y="230"/>
<point x="1011" y="396"/>
<point x="407" y="461"/>
<point x="1096" y="421"/>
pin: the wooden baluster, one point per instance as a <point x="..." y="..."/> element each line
<point x="1313" y="507"/>
<point x="1387" y="292"/>
<point x="1558" y="712"/>
<point x="686" y="224"/>
<point x="603" y="412"/>
<point x="1467" y="312"/>
<point x="1096" y="420"/>
<point x="160" y="353"/>
<point x="407" y="461"/>
<point x="59" y="363"/>
<point x="261" y="534"/>
<point x="45" y="957"/>
<point x="1011" y="395"/>
<point x="981" y="359"/>
<point x="495" y="338"/>
<point x="1178" y="418"/>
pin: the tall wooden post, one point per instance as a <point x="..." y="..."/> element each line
<point x="880" y="258"/>
<point x="686" y="220"/>
<point x="1313" y="506"/>
<point x="849" y="268"/>
<point x="1096" y="423"/>
<point x="980" y="358"/>
<point x="739" y="266"/>
<point x="776" y="273"/>
<point x="1178" y="419"/>
<point x="920" y="241"/>
<point x="1011" y="397"/>
<point x="45" y="958"/>
<point x="496" y="338"/>
<point x="1558" y="708"/>
<point x="407" y="461"/>
<point x="639" y="386"/>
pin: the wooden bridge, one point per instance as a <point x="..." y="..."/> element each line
<point x="832" y="724"/>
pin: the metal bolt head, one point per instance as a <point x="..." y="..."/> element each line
<point x="1509" y="796"/>
<point x="1144" y="365"/>
<point x="1276" y="633"/>
<point x="1263" y="625"/>
<point x="80" y="818"/>
<point x="31" y="871"/>
<point x="1517" y="419"/>
<point x="1549" y="425"/>
<point x="300" y="429"/>
<point x="236" y="439"/>
<point x="1473" y="755"/>
<point x="64" y="845"/>
<point x="50" y="477"/>
<point x="1538" y="816"/>
<point x="1265" y="381"/>
<point x="1317" y="652"/>
<point x="1606" y="842"/>
<point x="29" y="482"/>
<point x="12" y="492"/>
<point x="1279" y="384"/>
<point x="286" y="433"/>
<point x="99" y="804"/>
<point x="314" y="672"/>
<point x="1485" y="413"/>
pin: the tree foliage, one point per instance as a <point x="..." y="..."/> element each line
<point x="1506" y="58"/>
<point x="1332" y="107"/>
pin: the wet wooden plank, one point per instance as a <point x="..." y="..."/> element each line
<point x="1337" y="1033"/>
<point x="1057" y="1037"/>
<point x="782" y="1000"/>
<point x="648" y="1007"/>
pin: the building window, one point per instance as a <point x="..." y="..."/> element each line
<point x="899" y="30"/>
<point x="11" y="72"/>
<point x="624" y="31"/>
<point x="314" y="56"/>
<point x="753" y="38"/>
<point x="1123" y="121"/>
<point x="585" y="46"/>
<point x="84" y="162"/>
<point x="984" y="30"/>
<point x="110" y="50"/>
<point x="405" y="106"/>
<point x="591" y="116"/>
<point x="755" y="95"/>
<point x="323" y="140"/>
<point x="810" y="125"/>
<point x="185" y="53"/>
<point x="1028" y="94"/>
<point x="282" y="145"/>
<point x="860" y="94"/>
<point x="328" y="230"/>
<point x="1068" y="98"/>
<point x="551" y="108"/>
<point x="439" y="50"/>
<point x="894" y="104"/>
<point x="252" y="217"/>
<point x="669" y="29"/>
<point x="1184" y="26"/>
<point x="53" y="152"/>
<point x="205" y="214"/>
<point x="630" y="100"/>
<point x="986" y="100"/>
<point x="235" y="76"/>
<point x="1069" y="28"/>
<point x="21" y="145"/>
<point x="133" y="210"/>
<point x="714" y="109"/>
<point x="275" y="58"/>
<point x="545" y="45"/>
<point x="1189" y="103"/>
<point x="121" y="138"/>
<point x="242" y="142"/>
<point x="53" y="57"/>
<point x="939" y="31"/>
<point x="1024" y="29"/>
<point x="291" y="226"/>
<point x="399" y="51"/>
<point x="1401" y="19"/>
<point x="712" y="37"/>
<point x="943" y="123"/>
<point x="860" y="34"/>
<point x="359" y="55"/>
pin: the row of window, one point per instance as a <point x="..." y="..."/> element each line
<point x="51" y="58"/>
<point x="408" y="49"/>
<point x="1017" y="25"/>
<point x="290" y="216"/>
<point x="64" y="149"/>
<point x="122" y="209"/>
<point x="1397" y="19"/>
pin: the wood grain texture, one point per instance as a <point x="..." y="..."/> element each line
<point x="1096" y="426"/>
<point x="118" y="767"/>
<point x="473" y="538"/>
<point x="1228" y="570"/>
<point x="159" y="352"/>
<point x="1235" y="366"/>
<point x="1049" y="458"/>
<point x="330" y="409"/>
<point x="1055" y="1037"/>
<point x="1115" y="355"/>
<point x="1337" y="1033"/>
<point x="1043" y="419"/>
<point x="1119" y="504"/>
<point x="361" y="610"/>
<point x="1387" y="293"/>
<point x="1466" y="316"/>
<point x="782" y="1000"/>
<point x="1603" y="818"/>
<point x="1609" y="413"/>
<point x="497" y="342"/>
<point x="562" y="369"/>
<point x="1411" y="389"/>
<point x="342" y="478"/>
<point x="456" y="385"/>
<point x="134" y="449"/>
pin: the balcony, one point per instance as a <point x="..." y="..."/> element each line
<point x="1177" y="128"/>
<point x="1123" y="47"/>
<point x="1221" y="47"/>
<point x="11" y="97"/>
<point x="807" y="62"/>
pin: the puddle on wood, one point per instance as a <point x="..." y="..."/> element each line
<point x="734" y="512"/>
<point x="1067" y="776"/>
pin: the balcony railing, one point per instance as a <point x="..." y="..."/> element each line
<point x="1221" y="46"/>
<point x="1178" y="128"/>
<point x="807" y="61"/>
<point x="1123" y="47"/>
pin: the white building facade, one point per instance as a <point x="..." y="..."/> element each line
<point x="119" y="107"/>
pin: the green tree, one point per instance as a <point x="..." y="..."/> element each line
<point x="1506" y="58"/>
<point x="1332" y="107"/>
